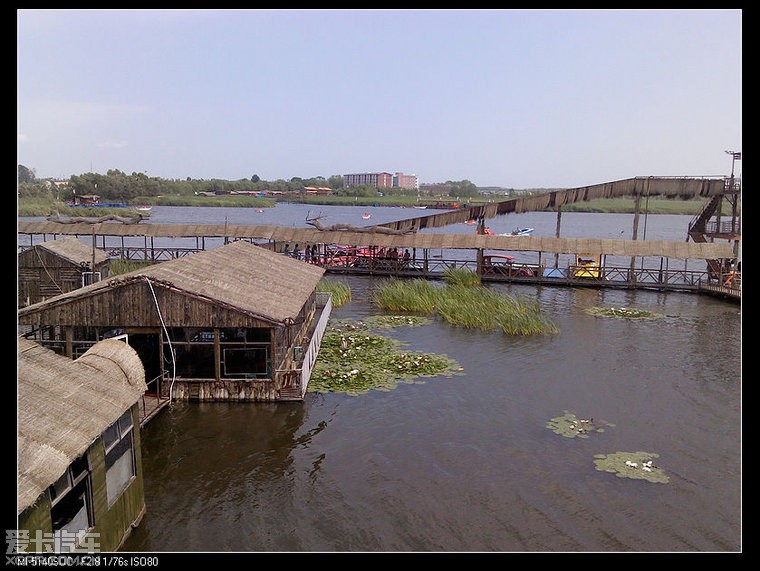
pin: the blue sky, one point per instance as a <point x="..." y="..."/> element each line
<point x="514" y="98"/>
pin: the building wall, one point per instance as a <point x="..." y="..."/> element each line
<point x="408" y="181"/>
<point x="378" y="179"/>
<point x="115" y="524"/>
<point x="131" y="306"/>
<point x="42" y="274"/>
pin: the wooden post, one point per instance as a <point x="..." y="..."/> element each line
<point x="635" y="233"/>
<point x="70" y="341"/>
<point x="557" y="232"/>
<point x="92" y="280"/>
<point x="217" y="356"/>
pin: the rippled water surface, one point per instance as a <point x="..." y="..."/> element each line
<point x="466" y="463"/>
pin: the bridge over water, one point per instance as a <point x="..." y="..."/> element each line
<point x="403" y="234"/>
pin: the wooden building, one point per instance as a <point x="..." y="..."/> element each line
<point x="58" y="266"/>
<point x="79" y="467"/>
<point x="238" y="322"/>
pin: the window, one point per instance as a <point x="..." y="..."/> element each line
<point x="245" y="353"/>
<point x="118" y="440"/>
<point x="90" y="278"/>
<point x="71" y="511"/>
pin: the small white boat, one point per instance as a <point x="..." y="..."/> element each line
<point x="522" y="232"/>
<point x="421" y="207"/>
<point x="366" y="216"/>
<point x="144" y="208"/>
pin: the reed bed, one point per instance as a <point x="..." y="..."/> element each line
<point x="118" y="267"/>
<point x="465" y="306"/>
<point x="461" y="276"/>
<point x="340" y="290"/>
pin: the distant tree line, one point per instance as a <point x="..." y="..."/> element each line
<point x="116" y="184"/>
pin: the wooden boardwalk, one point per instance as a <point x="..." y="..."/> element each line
<point x="112" y="239"/>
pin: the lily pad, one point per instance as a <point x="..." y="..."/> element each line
<point x="390" y="321"/>
<point x="570" y="426"/>
<point x="635" y="465"/>
<point x="356" y="362"/>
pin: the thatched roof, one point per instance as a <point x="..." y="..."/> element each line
<point x="240" y="275"/>
<point x="73" y="250"/>
<point x="65" y="405"/>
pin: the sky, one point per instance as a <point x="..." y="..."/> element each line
<point x="512" y="98"/>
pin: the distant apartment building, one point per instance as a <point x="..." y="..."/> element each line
<point x="378" y="179"/>
<point x="409" y="181"/>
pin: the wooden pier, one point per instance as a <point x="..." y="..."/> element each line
<point x="656" y="274"/>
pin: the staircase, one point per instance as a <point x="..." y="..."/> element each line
<point x="698" y="225"/>
<point x="700" y="228"/>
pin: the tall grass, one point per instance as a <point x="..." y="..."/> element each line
<point x="461" y="276"/>
<point x="415" y="295"/>
<point x="341" y="291"/>
<point x="118" y="267"/>
<point x="465" y="306"/>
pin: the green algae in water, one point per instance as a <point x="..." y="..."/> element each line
<point x="570" y="426"/>
<point x="634" y="465"/>
<point x="624" y="312"/>
<point x="390" y="321"/>
<point x="357" y="362"/>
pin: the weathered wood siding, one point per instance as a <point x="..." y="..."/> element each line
<point x="132" y="305"/>
<point x="37" y="516"/>
<point x="42" y="274"/>
<point x="115" y="524"/>
<point x="226" y="390"/>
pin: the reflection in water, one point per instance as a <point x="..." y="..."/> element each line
<point x="467" y="463"/>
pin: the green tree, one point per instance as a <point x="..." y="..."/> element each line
<point x="462" y="188"/>
<point x="25" y="174"/>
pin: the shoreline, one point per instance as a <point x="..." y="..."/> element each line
<point x="604" y="206"/>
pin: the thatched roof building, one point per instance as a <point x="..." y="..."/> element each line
<point x="73" y="250"/>
<point x="65" y="405"/>
<point x="79" y="462"/>
<point x="234" y="322"/>
<point x="239" y="275"/>
<point x="57" y="266"/>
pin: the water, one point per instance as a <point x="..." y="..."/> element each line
<point x="466" y="464"/>
<point x="573" y="225"/>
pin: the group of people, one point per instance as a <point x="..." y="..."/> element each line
<point x="310" y="253"/>
<point x="393" y="254"/>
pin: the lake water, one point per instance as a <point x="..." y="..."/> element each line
<point x="467" y="463"/>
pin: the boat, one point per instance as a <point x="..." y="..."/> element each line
<point x="471" y="221"/>
<point x="260" y="210"/>
<point x="144" y="208"/>
<point x="366" y="216"/>
<point x="421" y="207"/>
<point x="522" y="232"/>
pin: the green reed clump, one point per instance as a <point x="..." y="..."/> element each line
<point x="466" y="306"/>
<point x="461" y="276"/>
<point x="340" y="290"/>
<point x="118" y="267"/>
<point x="415" y="295"/>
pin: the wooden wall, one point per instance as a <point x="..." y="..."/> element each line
<point x="43" y="274"/>
<point x="115" y="524"/>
